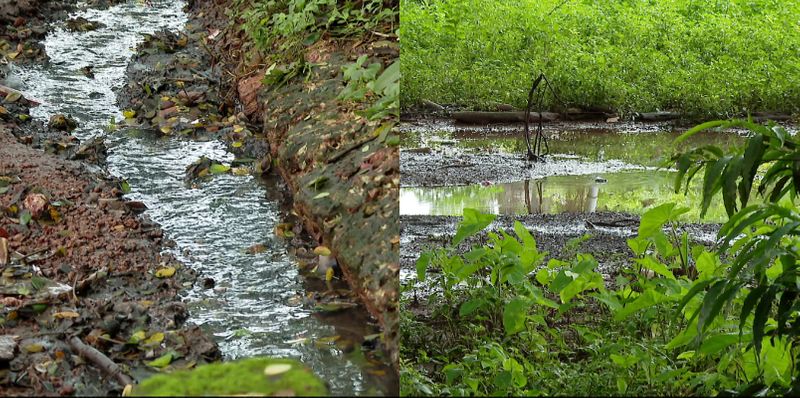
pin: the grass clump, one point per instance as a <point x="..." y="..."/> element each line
<point x="704" y="59"/>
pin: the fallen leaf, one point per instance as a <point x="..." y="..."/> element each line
<point x="322" y="195"/>
<point x="66" y="314"/>
<point x="33" y="348"/>
<point x="136" y="337"/>
<point x="161" y="361"/>
<point x="165" y="272"/>
<point x="240" y="171"/>
<point x="277" y="369"/>
<point x="155" y="339"/>
<point x="3" y="251"/>
<point x="129" y="113"/>
<point x="217" y="168"/>
<point x="257" y="248"/>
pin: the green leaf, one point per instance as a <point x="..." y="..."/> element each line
<point x="217" y="168"/>
<point x="162" y="361"/>
<point x="762" y="315"/>
<point x="655" y="266"/>
<point x="654" y="219"/>
<point x="422" y="265"/>
<point x="699" y="128"/>
<point x="714" y="344"/>
<point x="25" y="217"/>
<point x="470" y="306"/>
<point x="514" y="314"/>
<point x="472" y="223"/>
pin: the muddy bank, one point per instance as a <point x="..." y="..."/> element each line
<point x="339" y="166"/>
<point x="457" y="167"/>
<point x="608" y="232"/>
<point x="79" y="262"/>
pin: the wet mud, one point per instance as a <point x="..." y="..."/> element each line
<point x="79" y="261"/>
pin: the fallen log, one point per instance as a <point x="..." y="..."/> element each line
<point x="657" y="116"/>
<point x="101" y="360"/>
<point x="502" y="117"/>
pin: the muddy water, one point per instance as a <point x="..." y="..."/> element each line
<point x="569" y="191"/>
<point x="258" y="309"/>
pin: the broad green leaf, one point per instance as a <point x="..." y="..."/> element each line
<point x="470" y="306"/>
<point x="422" y="265"/>
<point x="472" y="223"/>
<point x="514" y="314"/>
<point x="714" y="344"/>
<point x="654" y="219"/>
<point x="655" y="266"/>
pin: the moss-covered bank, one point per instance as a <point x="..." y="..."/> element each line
<point x="340" y="160"/>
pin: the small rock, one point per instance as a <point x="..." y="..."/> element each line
<point x="8" y="344"/>
<point x="62" y="122"/>
<point x="208" y="283"/>
<point x="81" y="24"/>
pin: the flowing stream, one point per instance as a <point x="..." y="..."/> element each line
<point x="213" y="224"/>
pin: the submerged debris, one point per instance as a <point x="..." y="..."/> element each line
<point x="81" y="24"/>
<point x="62" y="122"/>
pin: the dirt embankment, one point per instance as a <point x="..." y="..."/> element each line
<point x="82" y="270"/>
<point x="343" y="175"/>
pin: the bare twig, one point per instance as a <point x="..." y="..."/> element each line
<point x="101" y="360"/>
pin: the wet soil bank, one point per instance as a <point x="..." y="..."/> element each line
<point x="343" y="176"/>
<point x="431" y="162"/>
<point x="82" y="270"/>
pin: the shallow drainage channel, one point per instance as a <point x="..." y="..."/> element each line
<point x="256" y="311"/>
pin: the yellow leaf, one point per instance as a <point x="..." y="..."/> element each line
<point x="237" y="128"/>
<point x="32" y="348"/>
<point x="237" y="144"/>
<point x="136" y="337"/>
<point x="329" y="274"/>
<point x="156" y="338"/>
<point x="165" y="129"/>
<point x="277" y="369"/>
<point x="322" y="251"/>
<point x="126" y="392"/>
<point x="240" y="171"/>
<point x="129" y="113"/>
<point x="165" y="272"/>
<point x="66" y="314"/>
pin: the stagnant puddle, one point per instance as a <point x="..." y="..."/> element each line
<point x="627" y="191"/>
<point x="637" y="184"/>
<point x="257" y="308"/>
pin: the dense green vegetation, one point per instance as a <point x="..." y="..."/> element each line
<point x="719" y="59"/>
<point x="677" y="318"/>
<point x="282" y="32"/>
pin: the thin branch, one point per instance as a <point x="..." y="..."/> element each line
<point x="101" y="360"/>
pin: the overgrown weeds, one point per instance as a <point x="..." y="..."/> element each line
<point x="717" y="59"/>
<point x="679" y="318"/>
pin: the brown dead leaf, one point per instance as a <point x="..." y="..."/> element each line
<point x="3" y="251"/>
<point x="66" y="314"/>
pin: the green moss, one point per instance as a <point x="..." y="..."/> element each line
<point x="241" y="377"/>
